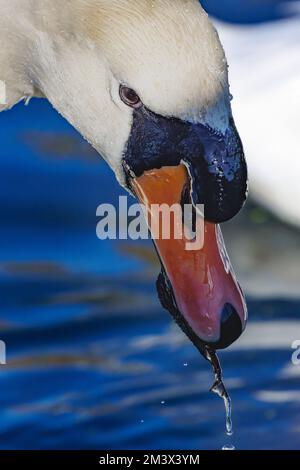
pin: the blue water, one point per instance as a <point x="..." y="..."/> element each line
<point x="247" y="11"/>
<point x="93" y="360"/>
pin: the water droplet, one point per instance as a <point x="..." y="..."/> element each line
<point x="228" y="447"/>
<point x="162" y="402"/>
<point x="220" y="389"/>
<point x="142" y="421"/>
<point x="185" y="364"/>
<point x="228" y="408"/>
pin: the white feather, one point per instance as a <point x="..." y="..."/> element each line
<point x="76" y="53"/>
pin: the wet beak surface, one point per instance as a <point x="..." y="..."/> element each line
<point x="204" y="286"/>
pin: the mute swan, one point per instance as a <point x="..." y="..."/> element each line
<point x="146" y="83"/>
<point x="265" y="74"/>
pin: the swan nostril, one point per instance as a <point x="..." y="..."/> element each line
<point x="231" y="328"/>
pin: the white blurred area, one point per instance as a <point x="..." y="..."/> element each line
<point x="264" y="70"/>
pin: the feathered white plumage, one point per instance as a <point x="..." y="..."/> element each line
<point x="77" y="52"/>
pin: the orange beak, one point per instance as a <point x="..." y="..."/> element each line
<point x="198" y="285"/>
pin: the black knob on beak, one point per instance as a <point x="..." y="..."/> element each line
<point x="218" y="172"/>
<point x="215" y="160"/>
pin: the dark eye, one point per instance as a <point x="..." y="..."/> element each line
<point x="129" y="97"/>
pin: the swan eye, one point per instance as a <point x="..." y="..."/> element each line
<point x="130" y="97"/>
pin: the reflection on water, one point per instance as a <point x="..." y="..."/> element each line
<point x="93" y="360"/>
<point x="88" y="372"/>
<point x="59" y="145"/>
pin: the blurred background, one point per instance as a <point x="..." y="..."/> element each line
<point x="93" y="361"/>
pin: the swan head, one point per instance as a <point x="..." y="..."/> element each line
<point x="146" y="83"/>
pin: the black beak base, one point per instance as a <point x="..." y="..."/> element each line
<point x="231" y="325"/>
<point x="215" y="162"/>
<point x="168" y="302"/>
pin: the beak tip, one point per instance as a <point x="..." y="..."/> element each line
<point x="231" y="328"/>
